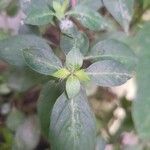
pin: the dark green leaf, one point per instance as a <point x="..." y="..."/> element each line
<point x="114" y="49"/>
<point x="81" y="40"/>
<point x="121" y="10"/>
<point x="50" y="92"/>
<point x="28" y="29"/>
<point x="11" y="48"/>
<point x="108" y="73"/>
<point x="72" y="124"/>
<point x="38" y="12"/>
<point x="39" y="17"/>
<point x="30" y="5"/>
<point x="42" y="60"/>
<point x="89" y="18"/>
<point x="141" y="105"/>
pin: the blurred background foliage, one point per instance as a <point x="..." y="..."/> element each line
<point x="122" y="113"/>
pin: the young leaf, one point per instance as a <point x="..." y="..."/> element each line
<point x="108" y="73"/>
<point x="141" y="105"/>
<point x="72" y="124"/>
<point x="81" y="39"/>
<point x="42" y="60"/>
<point x="89" y="18"/>
<point x="62" y="73"/>
<point x="11" y="48"/>
<point x="121" y="10"/>
<point x="82" y="75"/>
<point x="74" y="59"/>
<point x="113" y="49"/>
<point x="72" y="86"/>
<point x="50" y="92"/>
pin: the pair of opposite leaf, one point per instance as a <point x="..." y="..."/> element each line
<point x="105" y="73"/>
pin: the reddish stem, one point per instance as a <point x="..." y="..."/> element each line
<point x="73" y="3"/>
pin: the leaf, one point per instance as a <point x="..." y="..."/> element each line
<point x="28" y="29"/>
<point x="61" y="73"/>
<point x="121" y="10"/>
<point x="82" y="41"/>
<point x="72" y="86"/>
<point x="74" y="59"/>
<point x="82" y="75"/>
<point x="11" y="48"/>
<point x="29" y="6"/>
<point x="38" y="12"/>
<point x="100" y="143"/>
<point x="23" y="79"/>
<point x="93" y="4"/>
<point x="39" y="17"/>
<point x="89" y="18"/>
<point x="116" y="50"/>
<point x="140" y="110"/>
<point x="49" y="94"/>
<point x="42" y="60"/>
<point x="72" y="124"/>
<point x="108" y="73"/>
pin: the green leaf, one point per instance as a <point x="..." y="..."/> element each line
<point x="23" y="79"/>
<point x="29" y="6"/>
<point x="42" y="60"/>
<point x="11" y="48"/>
<point x="38" y="12"/>
<point x="121" y="10"/>
<point x="108" y="73"/>
<point x="74" y="59"/>
<point x="72" y="124"/>
<point x="62" y="73"/>
<point x="93" y="4"/>
<point x="56" y="6"/>
<point x="116" y="50"/>
<point x="89" y="18"/>
<point x="72" y="86"/>
<point x="49" y="94"/>
<point x="39" y="17"/>
<point x="141" y="105"/>
<point x="28" y="29"/>
<point x="81" y="40"/>
<point x="82" y="75"/>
